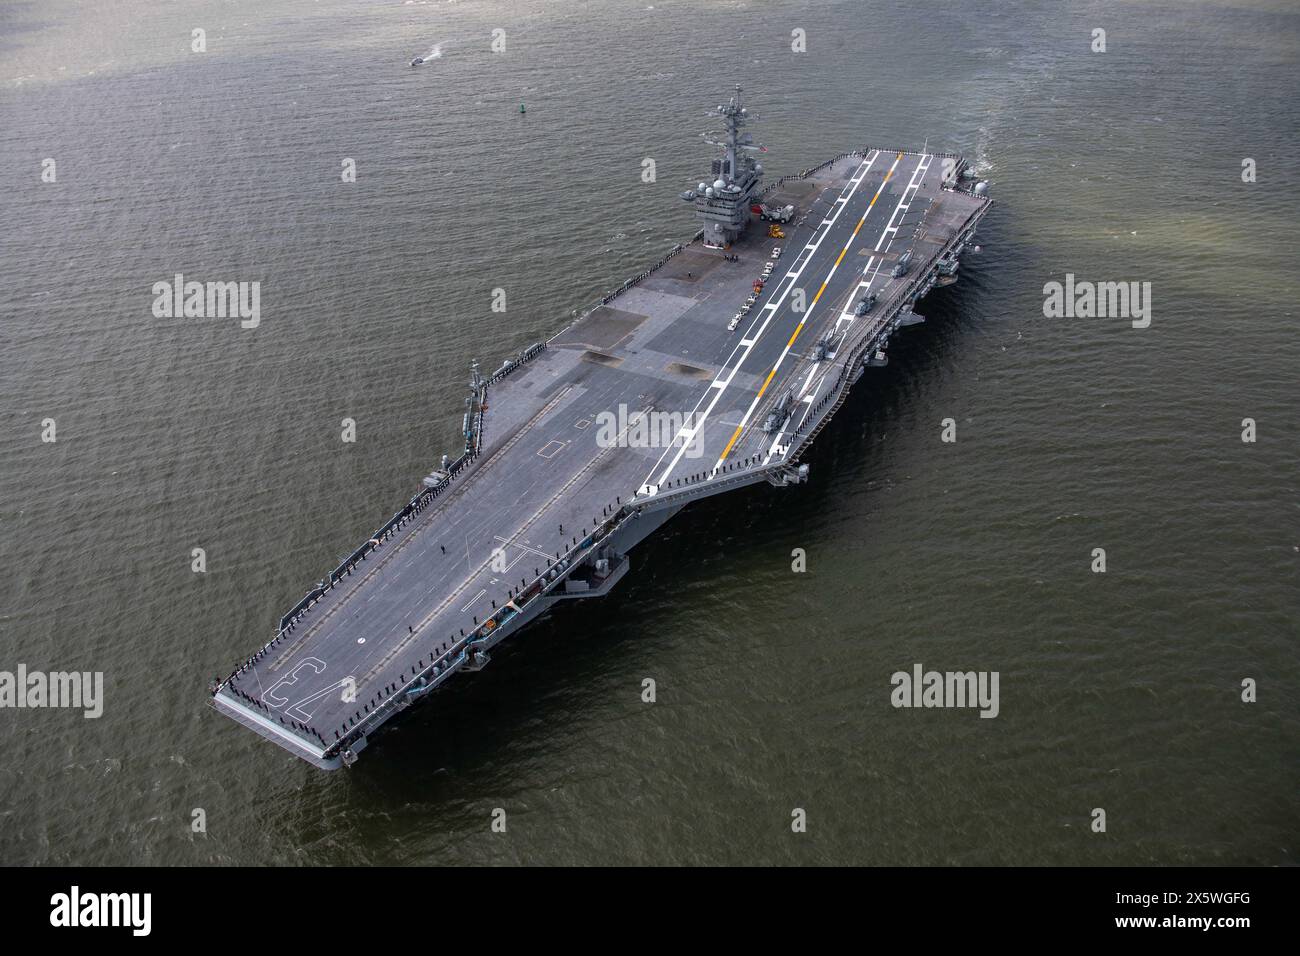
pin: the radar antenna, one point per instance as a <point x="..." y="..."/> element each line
<point x="731" y="139"/>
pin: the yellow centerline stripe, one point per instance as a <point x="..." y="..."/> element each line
<point x="799" y="328"/>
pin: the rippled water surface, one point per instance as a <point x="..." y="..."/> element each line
<point x="1119" y="691"/>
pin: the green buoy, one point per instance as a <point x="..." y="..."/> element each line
<point x="521" y="108"/>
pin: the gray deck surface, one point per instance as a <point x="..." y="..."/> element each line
<point x="661" y="346"/>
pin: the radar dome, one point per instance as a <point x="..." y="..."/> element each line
<point x="702" y="186"/>
<point x="719" y="184"/>
<point x="709" y="192"/>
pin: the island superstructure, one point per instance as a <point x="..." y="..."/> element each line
<point x="713" y="369"/>
<point x="723" y="207"/>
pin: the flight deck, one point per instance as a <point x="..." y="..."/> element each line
<point x="583" y="445"/>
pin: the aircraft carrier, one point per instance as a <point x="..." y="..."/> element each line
<point x="713" y="369"/>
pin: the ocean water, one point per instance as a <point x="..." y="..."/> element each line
<point x="1119" y="691"/>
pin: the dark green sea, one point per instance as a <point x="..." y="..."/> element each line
<point x="1119" y="691"/>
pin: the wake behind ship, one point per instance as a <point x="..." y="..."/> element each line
<point x="747" y="338"/>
